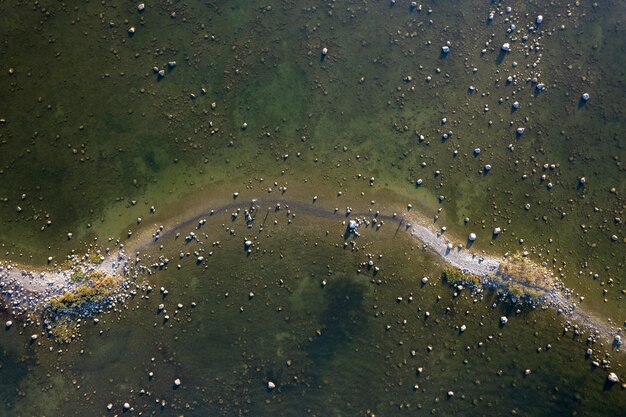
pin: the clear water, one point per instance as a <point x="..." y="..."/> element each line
<point x="89" y="129"/>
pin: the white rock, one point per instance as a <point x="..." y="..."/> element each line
<point x="352" y="224"/>
<point x="613" y="378"/>
<point x="324" y="51"/>
<point x="177" y="382"/>
<point x="506" y="47"/>
<point x="472" y="237"/>
<point x="520" y="130"/>
<point x="477" y="151"/>
<point x="497" y="231"/>
<point x="487" y="167"/>
<point x="586" y="96"/>
<point x="141" y="7"/>
<point x="419" y="181"/>
<point x="425" y="280"/>
<point x="516" y="105"/>
<point x="131" y="30"/>
<point x="463" y="328"/>
<point x="270" y="385"/>
<point x="247" y="243"/>
<point x="539" y="19"/>
<point x="445" y="49"/>
<point x="503" y="320"/>
<point x="8" y="324"/>
<point x="126" y="406"/>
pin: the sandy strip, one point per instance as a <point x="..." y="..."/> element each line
<point x="26" y="289"/>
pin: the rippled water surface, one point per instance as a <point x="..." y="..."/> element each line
<point x="91" y="137"/>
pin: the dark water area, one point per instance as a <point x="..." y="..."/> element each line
<point x="92" y="136"/>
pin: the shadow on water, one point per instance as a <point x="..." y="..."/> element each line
<point x="500" y="57"/>
<point x="343" y="318"/>
<point x="13" y="372"/>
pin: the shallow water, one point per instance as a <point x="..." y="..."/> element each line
<point x="90" y="129"/>
<point x="327" y="348"/>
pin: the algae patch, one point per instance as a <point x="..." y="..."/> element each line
<point x="62" y="314"/>
<point x="517" y="277"/>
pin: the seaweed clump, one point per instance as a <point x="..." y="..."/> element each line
<point x="517" y="278"/>
<point x="62" y="313"/>
<point x="523" y="278"/>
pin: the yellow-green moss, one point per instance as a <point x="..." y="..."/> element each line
<point x="94" y="258"/>
<point x="453" y="274"/>
<point x="523" y="277"/>
<point x="96" y="289"/>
